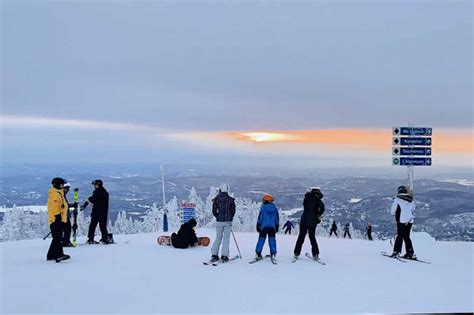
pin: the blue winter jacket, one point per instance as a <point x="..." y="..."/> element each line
<point x="268" y="216"/>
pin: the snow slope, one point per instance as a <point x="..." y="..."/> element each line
<point x="137" y="276"/>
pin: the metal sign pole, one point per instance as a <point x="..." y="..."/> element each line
<point x="411" y="170"/>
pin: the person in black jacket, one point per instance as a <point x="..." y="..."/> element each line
<point x="100" y="211"/>
<point x="369" y="232"/>
<point x="347" y="230"/>
<point x="223" y="209"/>
<point x="186" y="235"/>
<point x="311" y="217"/>
<point x="333" y="228"/>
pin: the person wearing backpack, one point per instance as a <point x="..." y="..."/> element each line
<point x="311" y="217"/>
<point x="223" y="209"/>
<point x="267" y="225"/>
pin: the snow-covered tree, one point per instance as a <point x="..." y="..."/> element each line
<point x="153" y="220"/>
<point x="174" y="214"/>
<point x="200" y="207"/>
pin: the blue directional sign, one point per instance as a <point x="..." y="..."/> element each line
<point x="189" y="211"/>
<point x="412" y="131"/>
<point x="412" y="141"/>
<point x="420" y="151"/>
<point x="411" y="161"/>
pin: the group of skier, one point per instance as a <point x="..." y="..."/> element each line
<point x="223" y="209"/>
<point x="59" y="217"/>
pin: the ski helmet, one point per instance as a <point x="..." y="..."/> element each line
<point x="267" y="198"/>
<point x="57" y="182"/>
<point x="402" y="190"/>
<point x="98" y="182"/>
<point x="224" y="188"/>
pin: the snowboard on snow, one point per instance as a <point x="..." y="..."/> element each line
<point x="165" y="240"/>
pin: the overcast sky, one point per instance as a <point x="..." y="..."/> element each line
<point x="127" y="71"/>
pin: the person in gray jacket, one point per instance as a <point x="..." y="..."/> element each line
<point x="223" y="209"/>
<point x="403" y="208"/>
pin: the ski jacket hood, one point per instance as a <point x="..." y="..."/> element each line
<point x="56" y="205"/>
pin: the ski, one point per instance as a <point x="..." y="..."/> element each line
<point x="253" y="261"/>
<point x="220" y="262"/>
<point x="418" y="260"/>
<point x="74" y="215"/>
<point x="390" y="256"/>
<point x="316" y="260"/>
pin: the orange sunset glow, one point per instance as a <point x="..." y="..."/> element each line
<point x="457" y="142"/>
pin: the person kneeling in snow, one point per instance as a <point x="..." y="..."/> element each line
<point x="267" y="224"/>
<point x="186" y="235"/>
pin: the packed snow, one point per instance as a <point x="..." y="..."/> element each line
<point x="137" y="276"/>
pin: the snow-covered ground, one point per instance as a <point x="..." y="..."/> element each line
<point x="137" y="276"/>
<point x="35" y="209"/>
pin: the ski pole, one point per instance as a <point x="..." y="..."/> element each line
<point x="235" y="240"/>
<point x="44" y="238"/>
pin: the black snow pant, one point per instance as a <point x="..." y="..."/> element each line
<point x="369" y="236"/>
<point x="101" y="219"/>
<point x="333" y="231"/>
<point x="403" y="234"/>
<point x="311" y="231"/>
<point x="67" y="232"/>
<point x="288" y="231"/>
<point x="347" y="233"/>
<point x="56" y="247"/>
<point x="178" y="242"/>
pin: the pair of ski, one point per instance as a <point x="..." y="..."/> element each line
<point x="253" y="261"/>
<point x="403" y="260"/>
<point x="319" y="261"/>
<point x="219" y="262"/>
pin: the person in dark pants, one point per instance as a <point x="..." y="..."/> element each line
<point x="100" y="211"/>
<point x="347" y="231"/>
<point x="267" y="225"/>
<point x="333" y="228"/>
<point x="57" y="217"/>
<point x="369" y="232"/>
<point x="288" y="226"/>
<point x="311" y="217"/>
<point x="403" y="208"/>
<point x="67" y="227"/>
<point x="186" y="236"/>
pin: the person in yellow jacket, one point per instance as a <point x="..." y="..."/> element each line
<point x="57" y="218"/>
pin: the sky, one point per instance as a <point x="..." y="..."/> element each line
<point x="321" y="82"/>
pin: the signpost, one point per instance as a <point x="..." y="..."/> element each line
<point x="188" y="211"/>
<point x="411" y="147"/>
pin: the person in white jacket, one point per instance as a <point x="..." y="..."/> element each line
<point x="403" y="208"/>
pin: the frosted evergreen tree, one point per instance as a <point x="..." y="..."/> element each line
<point x="174" y="214"/>
<point x="153" y="220"/>
<point x="200" y="207"/>
<point x="124" y="225"/>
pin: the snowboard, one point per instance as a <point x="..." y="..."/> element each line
<point x="165" y="240"/>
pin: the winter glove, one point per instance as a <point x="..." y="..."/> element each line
<point x="84" y="205"/>
<point x="277" y="227"/>
<point x="259" y="228"/>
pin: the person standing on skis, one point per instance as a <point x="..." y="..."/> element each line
<point x="100" y="211"/>
<point x="311" y="217"/>
<point x="288" y="226"/>
<point x="403" y="208"/>
<point x="369" y="232"/>
<point x="267" y="224"/>
<point x="67" y="227"/>
<point x="57" y="217"/>
<point x="223" y="209"/>
<point x="333" y="228"/>
<point x="347" y="231"/>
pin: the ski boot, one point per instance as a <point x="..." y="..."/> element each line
<point x="91" y="242"/>
<point x="69" y="244"/>
<point x="316" y="257"/>
<point x="63" y="257"/>
<point x="224" y="259"/>
<point x="214" y="258"/>
<point x="395" y="255"/>
<point x="409" y="256"/>
<point x="258" y="256"/>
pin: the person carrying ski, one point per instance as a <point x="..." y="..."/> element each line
<point x="67" y="227"/>
<point x="57" y="217"/>
<point x="333" y="228"/>
<point x="267" y="224"/>
<point x="369" y="232"/>
<point x="347" y="231"/>
<point x="403" y="208"/>
<point x="100" y="211"/>
<point x="288" y="226"/>
<point x="223" y="209"/>
<point x="311" y="217"/>
<point x="186" y="235"/>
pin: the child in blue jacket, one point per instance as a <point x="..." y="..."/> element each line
<point x="267" y="224"/>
